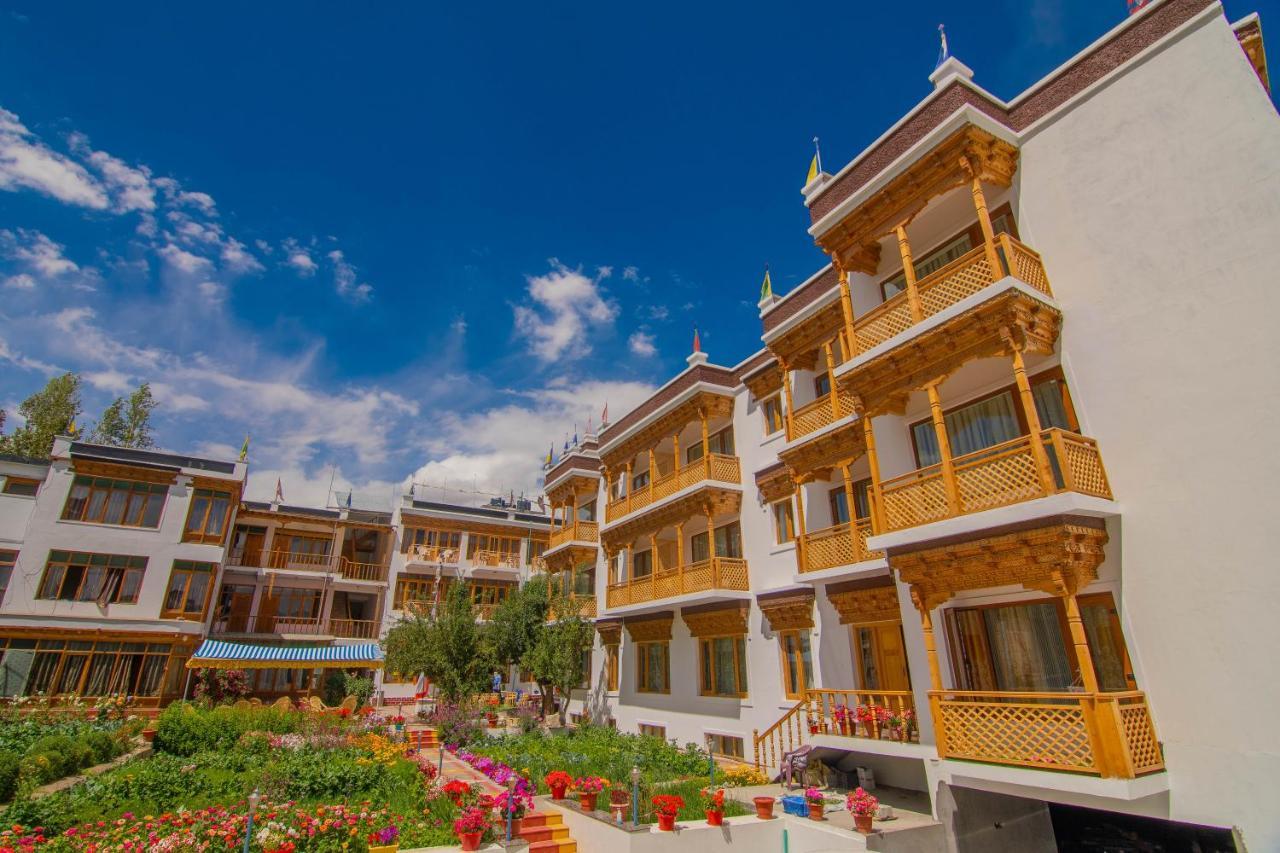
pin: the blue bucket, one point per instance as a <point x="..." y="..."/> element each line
<point x="795" y="806"/>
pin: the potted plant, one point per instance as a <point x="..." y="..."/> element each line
<point x="764" y="807"/>
<point x="863" y="807"/>
<point x="713" y="805"/>
<point x="619" y="799"/>
<point x="470" y="827"/>
<point x="588" y="787"/>
<point x="456" y="790"/>
<point x="815" y="799"/>
<point x="867" y="717"/>
<point x="882" y="715"/>
<point x="909" y="724"/>
<point x="385" y="840"/>
<point x="842" y="715"/>
<point x="558" y="781"/>
<point x="517" y="803"/>
<point x="666" y="807"/>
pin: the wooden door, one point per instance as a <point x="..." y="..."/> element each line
<point x="252" y="549"/>
<point x="238" y="613"/>
<point x="881" y="656"/>
<point x="267" y="607"/>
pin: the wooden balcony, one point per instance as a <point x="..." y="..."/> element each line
<point x="289" y="560"/>
<point x="358" y="629"/>
<point x="997" y="476"/>
<point x="841" y="545"/>
<point x="431" y="554"/>
<point x="355" y="571"/>
<point x="1101" y="734"/>
<point x="834" y="712"/>
<point x="717" y="573"/>
<point x="715" y="466"/>
<point x="586" y="606"/>
<point x="582" y="531"/>
<point x="822" y="412"/>
<point x="496" y="559"/>
<point x="958" y="280"/>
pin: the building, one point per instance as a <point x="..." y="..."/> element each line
<point x="984" y="470"/>
<point x="109" y="558"/>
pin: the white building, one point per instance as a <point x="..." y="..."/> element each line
<point x="981" y="470"/>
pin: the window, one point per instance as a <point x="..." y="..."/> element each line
<point x="1018" y="647"/>
<point x="797" y="663"/>
<point x="726" y="745"/>
<point x="723" y="662"/>
<point x="642" y="564"/>
<point x="653" y="668"/>
<point x="653" y="730"/>
<point x="720" y="442"/>
<point x="784" y="524"/>
<point x="935" y="260"/>
<point x="8" y="559"/>
<point x="611" y="667"/>
<point x="838" y="500"/>
<point x="639" y="481"/>
<point x="821" y="385"/>
<point x="189" y="586"/>
<point x="728" y="543"/>
<point x="89" y="668"/>
<point x="102" y="500"/>
<point x="414" y="589"/>
<point x="104" y="578"/>
<point x="21" y="486"/>
<point x="502" y="548"/>
<point x="585" y="681"/>
<point x="431" y="538"/>
<point x="207" y="520"/>
<point x="488" y="594"/>
<point x="771" y="409"/>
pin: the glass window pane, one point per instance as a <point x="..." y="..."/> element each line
<point x="174" y="595"/>
<point x="97" y="500"/>
<point x="196" y="518"/>
<point x="1027" y="647"/>
<point x="982" y="425"/>
<point x="116" y="501"/>
<point x="72" y="669"/>
<point x="76" y="501"/>
<point x="1051" y="407"/>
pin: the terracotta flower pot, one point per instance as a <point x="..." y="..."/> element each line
<point x="667" y="822"/>
<point x="814" y="728"/>
<point x="764" y="807"/>
<point x="862" y="822"/>
<point x="557" y="792"/>
<point x="149" y="735"/>
<point x="714" y="818"/>
<point x="516" y="824"/>
<point x="869" y="729"/>
<point x="619" y="812"/>
<point x="846" y="728"/>
<point x="815" y="810"/>
<point x="587" y="801"/>
<point x="470" y="840"/>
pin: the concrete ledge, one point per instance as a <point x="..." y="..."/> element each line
<point x="873" y="746"/>
<point x="1052" y="785"/>
<point x="863" y="569"/>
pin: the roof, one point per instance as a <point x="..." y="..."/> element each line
<point x="23" y="460"/>
<point x="483" y="512"/>
<point x="217" y="654"/>
<point x="264" y="506"/>
<point x="709" y="373"/>
<point x="149" y="457"/>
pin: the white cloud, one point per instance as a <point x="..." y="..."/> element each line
<point x="27" y="163"/>
<point x="641" y="344"/>
<point x="655" y="312"/>
<point x="631" y="273"/>
<point x="37" y="252"/>
<point x="298" y="257"/>
<point x="238" y="259"/>
<point x="108" y="380"/>
<point x="21" y="281"/>
<point x="567" y="304"/>
<point x="130" y="186"/>
<point x="186" y="262"/>
<point x="176" y="195"/>
<point x="344" y="279"/>
<point x="20" y="360"/>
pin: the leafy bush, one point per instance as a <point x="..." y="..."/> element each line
<point x="183" y="730"/>
<point x="102" y="745"/>
<point x="218" y="686"/>
<point x="8" y="775"/>
<point x="456" y="723"/>
<point x="358" y="686"/>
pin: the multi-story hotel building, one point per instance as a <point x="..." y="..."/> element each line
<point x="984" y="469"/>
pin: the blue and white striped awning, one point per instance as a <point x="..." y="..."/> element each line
<point x="216" y="654"/>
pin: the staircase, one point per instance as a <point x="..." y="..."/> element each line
<point x="546" y="833"/>
<point x="790" y="732"/>
<point x="423" y="740"/>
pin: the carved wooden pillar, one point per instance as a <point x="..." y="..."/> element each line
<point x="574" y="510"/>
<point x="984" y="218"/>
<point x="631" y="562"/>
<point x="653" y="471"/>
<point x="848" y="502"/>
<point x="799" y="531"/>
<point x="831" y="381"/>
<point x="930" y="644"/>
<point x="846" y="306"/>
<point x="675" y="442"/>
<point x="944" y="451"/>
<point x="909" y="273"/>
<point x="706" y="443"/>
<point x="1038" y="453"/>
<point x="680" y="546"/>
<point x="1079" y="639"/>
<point x="786" y="393"/>
<point x="873" y="462"/>
<point x="630" y="480"/>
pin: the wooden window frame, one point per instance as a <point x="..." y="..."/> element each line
<point x="8" y="562"/>
<point x="201" y="534"/>
<point x="643" y="650"/>
<point x="10" y="481"/>
<point x="786" y="506"/>
<point x="713" y="439"/>
<point x="1049" y="374"/>
<point x="727" y="538"/>
<point x="124" y="564"/>
<point x="189" y="568"/>
<point x="718" y="741"/>
<point x="611" y="656"/>
<point x="953" y="640"/>
<point x="739" y="666"/>
<point x="108" y="486"/>
<point x="799" y="634"/>
<point x="771" y="412"/>
<point x="68" y="648"/>
<point x="652" y="730"/>
<point x="974" y="230"/>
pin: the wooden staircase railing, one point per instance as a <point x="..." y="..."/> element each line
<point x="782" y="737"/>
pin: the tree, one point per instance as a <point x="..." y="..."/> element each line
<point x="448" y="650"/>
<point x="518" y="621"/>
<point x="556" y="656"/>
<point x="48" y="413"/>
<point x="127" y="424"/>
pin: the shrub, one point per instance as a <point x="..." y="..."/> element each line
<point x="102" y="745"/>
<point x="358" y="686"/>
<point x="8" y="775"/>
<point x="456" y="724"/>
<point x="184" y="730"/>
<point x="216" y="686"/>
<point x="61" y="753"/>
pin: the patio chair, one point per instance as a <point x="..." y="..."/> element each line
<point x="282" y="704"/>
<point x="242" y="704"/>
<point x="314" y="703"/>
<point x="794" y="764"/>
<point x="348" y="705"/>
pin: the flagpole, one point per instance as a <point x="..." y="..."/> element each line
<point x="817" y="150"/>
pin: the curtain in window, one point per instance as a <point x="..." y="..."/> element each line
<point x="698" y="548"/>
<point x="1050" y="405"/>
<point x="972" y="428"/>
<point x="839" y="507"/>
<point x="729" y="541"/>
<point x="723" y="664"/>
<point x="1108" y="657"/>
<point x="1027" y="647"/>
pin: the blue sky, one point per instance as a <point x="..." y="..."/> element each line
<point x="416" y="241"/>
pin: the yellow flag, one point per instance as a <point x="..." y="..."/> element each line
<point x="813" y="170"/>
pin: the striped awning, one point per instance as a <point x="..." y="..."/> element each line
<point x="215" y="654"/>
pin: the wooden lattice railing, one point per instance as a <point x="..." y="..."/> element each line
<point x="813" y="416"/>
<point x="717" y="467"/>
<point x="496" y="559"/>
<point x="728" y="573"/>
<point x="840" y="545"/>
<point x="355" y="571"/>
<point x="944" y="287"/>
<point x="995" y="476"/>
<point x="583" y="531"/>
<point x="1104" y="734"/>
<point x="586" y="606"/>
<point x="432" y="554"/>
<point x="360" y="629"/>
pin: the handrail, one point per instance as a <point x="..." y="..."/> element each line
<point x="356" y="571"/>
<point x="816" y="414"/>
<point x="281" y="559"/>
<point x="432" y="554"/>
<point x="362" y="629"/>
<point x="496" y="559"/>
<point x="583" y="531"/>
<point x="838" y="545"/>
<point x="780" y="738"/>
<point x="716" y="466"/>
<point x="701" y="576"/>
<point x="835" y="712"/>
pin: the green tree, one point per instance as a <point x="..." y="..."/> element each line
<point x="555" y="659"/>
<point x="127" y="423"/>
<point x="518" y="621"/>
<point x="48" y="413"/>
<point x="449" y="649"/>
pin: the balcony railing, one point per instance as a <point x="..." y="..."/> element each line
<point x="835" y="712"/>
<point x="812" y="417"/>
<point x="716" y="466"/>
<point x="496" y="559"/>
<point x="260" y="559"/>
<point x="996" y="476"/>
<point x="432" y="554"/>
<point x="583" y="531"/>
<point x="941" y="289"/>
<point x="728" y="573"/>
<point x="307" y="626"/>
<point x="359" y="629"/>
<point x="356" y="571"/>
<point x="835" y="546"/>
<point x="1103" y="734"/>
